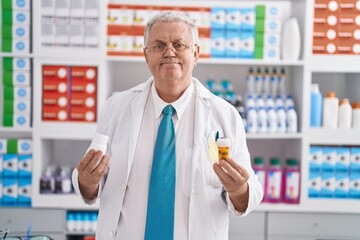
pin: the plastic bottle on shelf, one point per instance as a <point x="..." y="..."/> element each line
<point x="281" y="120"/>
<point x="252" y="120"/>
<point x="47" y="180"/>
<point x="266" y="81"/>
<point x="316" y="105"/>
<point x="258" y="81"/>
<point x="331" y="111"/>
<point x="273" y="181"/>
<point x="356" y="115"/>
<point x="274" y="82"/>
<point x="269" y="102"/>
<point x="63" y="181"/>
<point x="289" y="102"/>
<point x="70" y="221"/>
<point x="260" y="102"/>
<point x="93" y="221"/>
<point x="291" y="180"/>
<point x="271" y="120"/>
<point x="291" y="40"/>
<point x="262" y="120"/>
<point x="250" y="81"/>
<point x="279" y="102"/>
<point x="282" y="81"/>
<point x="291" y="120"/>
<point x="250" y="102"/>
<point x="345" y="114"/>
<point x="260" y="171"/>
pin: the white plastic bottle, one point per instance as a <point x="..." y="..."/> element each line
<point x="274" y="82"/>
<point x="260" y="103"/>
<point x="271" y="120"/>
<point x="250" y="102"/>
<point x="262" y="120"/>
<point x="279" y="102"/>
<point x="252" y="120"/>
<point x="281" y="120"/>
<point x="291" y="120"/>
<point x="258" y="81"/>
<point x="99" y="142"/>
<point x="345" y="114"/>
<point x="266" y="81"/>
<point x="356" y="115"/>
<point x="282" y="81"/>
<point x="291" y="40"/>
<point x="289" y="102"/>
<point x="331" y="111"/>
<point x="250" y="82"/>
<point x="269" y="102"/>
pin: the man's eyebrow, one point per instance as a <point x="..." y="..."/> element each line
<point x="157" y="41"/>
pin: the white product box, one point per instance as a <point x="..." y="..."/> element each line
<point x="272" y="40"/>
<point x="21" y="64"/>
<point x="271" y="53"/>
<point x="233" y="19"/>
<point x="21" y="17"/>
<point x="76" y="34"/>
<point x="10" y="191"/>
<point x="77" y="9"/>
<point x="122" y="43"/>
<point x="272" y="25"/>
<point x="24" y="165"/>
<point x="21" y="78"/>
<point x="248" y="19"/>
<point x="92" y="8"/>
<point x="62" y="35"/>
<point x="24" y="146"/>
<point x="218" y="43"/>
<point x="21" y="32"/>
<point x="21" y="120"/>
<point x="10" y="165"/>
<point x="91" y="36"/>
<point x="205" y="46"/>
<point x="121" y="17"/>
<point x="314" y="184"/>
<point x="232" y="44"/>
<point x="20" y="46"/>
<point x="201" y="18"/>
<point x="20" y="105"/>
<point x="138" y="44"/>
<point x="22" y="93"/>
<point x="47" y="37"/>
<point x="3" y="148"/>
<point x="218" y="18"/>
<point x="273" y="11"/>
<point x="20" y="4"/>
<point x="47" y="10"/>
<point x="62" y="10"/>
<point x="141" y="17"/>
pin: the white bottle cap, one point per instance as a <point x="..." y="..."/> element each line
<point x="223" y="142"/>
<point x="315" y="87"/>
<point x="101" y="138"/>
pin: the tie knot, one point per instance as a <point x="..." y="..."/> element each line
<point x="169" y="110"/>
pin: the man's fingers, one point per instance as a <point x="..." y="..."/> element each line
<point x="85" y="160"/>
<point x="100" y="170"/>
<point x="223" y="176"/>
<point x="237" y="166"/>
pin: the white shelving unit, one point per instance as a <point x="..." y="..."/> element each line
<point x="120" y="73"/>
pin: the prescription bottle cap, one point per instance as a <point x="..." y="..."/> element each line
<point x="356" y="105"/>
<point x="330" y="94"/>
<point x="223" y="142"/>
<point x="344" y="101"/>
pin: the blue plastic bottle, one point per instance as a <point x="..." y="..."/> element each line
<point x="316" y="103"/>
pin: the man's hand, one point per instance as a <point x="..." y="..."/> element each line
<point x="234" y="179"/>
<point x="90" y="173"/>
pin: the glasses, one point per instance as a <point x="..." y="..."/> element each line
<point x="5" y="232"/>
<point x="175" y="47"/>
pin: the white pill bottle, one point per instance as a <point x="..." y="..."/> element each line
<point x="99" y="142"/>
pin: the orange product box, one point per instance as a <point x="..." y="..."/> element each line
<point x="54" y="113"/>
<point x="84" y="79"/>
<point x="55" y="99"/>
<point x="325" y="31"/>
<point x="83" y="100"/>
<point x="55" y="71"/>
<point x="82" y="114"/>
<point x="348" y="46"/>
<point x="349" y="5"/>
<point x="349" y="21"/>
<point x="55" y="78"/>
<point x="324" y="46"/>
<point x="325" y="10"/>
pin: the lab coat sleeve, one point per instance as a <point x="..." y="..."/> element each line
<point x="241" y="154"/>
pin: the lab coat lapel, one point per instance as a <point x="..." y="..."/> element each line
<point x="137" y="112"/>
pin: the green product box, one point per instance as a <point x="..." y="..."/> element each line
<point x="260" y="11"/>
<point x="7" y="31"/>
<point x="259" y="53"/>
<point x="6" y="45"/>
<point x="8" y="106"/>
<point x="12" y="146"/>
<point x="7" y="78"/>
<point x="7" y="16"/>
<point x="7" y="4"/>
<point x="8" y="120"/>
<point x="8" y="93"/>
<point x="259" y="39"/>
<point x="260" y="25"/>
<point x="8" y="63"/>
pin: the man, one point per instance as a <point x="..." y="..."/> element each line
<point x="203" y="192"/>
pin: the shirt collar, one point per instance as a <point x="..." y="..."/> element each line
<point x="179" y="105"/>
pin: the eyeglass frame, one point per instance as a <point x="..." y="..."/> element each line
<point x="7" y="231"/>
<point x="165" y="47"/>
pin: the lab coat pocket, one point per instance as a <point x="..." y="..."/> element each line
<point x="186" y="171"/>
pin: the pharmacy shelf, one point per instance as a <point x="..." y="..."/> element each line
<point x="15" y="130"/>
<point x="26" y="55"/>
<point x="332" y="64"/>
<point x="66" y="201"/>
<point x="323" y="136"/>
<point x="274" y="136"/>
<point x="66" y="130"/>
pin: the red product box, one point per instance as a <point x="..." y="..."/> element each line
<point x="55" y="106"/>
<point x="82" y="114"/>
<point x="348" y="46"/>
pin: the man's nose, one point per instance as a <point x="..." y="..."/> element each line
<point x="169" y="52"/>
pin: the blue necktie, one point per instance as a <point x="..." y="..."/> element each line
<point x="160" y="210"/>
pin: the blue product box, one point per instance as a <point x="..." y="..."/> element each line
<point x="1" y="165"/>
<point x="10" y="192"/>
<point x="315" y="159"/>
<point x="355" y="160"/>
<point x="24" y="165"/>
<point x="218" y="18"/>
<point x="233" y="19"/>
<point x="1" y="191"/>
<point x="342" y="185"/>
<point x="329" y="158"/>
<point x="247" y="44"/>
<point x="217" y="43"/>
<point x="10" y="165"/>
<point x="354" y="191"/>
<point x="232" y="43"/>
<point x="24" y="146"/>
<point x="3" y="145"/>
<point x="343" y="160"/>
<point x="327" y="184"/>
<point x="314" y="184"/>
<point x="24" y="192"/>
<point x="248" y="19"/>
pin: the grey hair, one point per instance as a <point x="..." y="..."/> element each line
<point x="172" y="16"/>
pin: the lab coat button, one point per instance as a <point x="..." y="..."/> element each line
<point x="123" y="186"/>
<point x="111" y="234"/>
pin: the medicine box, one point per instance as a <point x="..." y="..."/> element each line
<point x="355" y="160"/>
<point x="10" y="191"/>
<point x="218" y="43"/>
<point x="232" y="43"/>
<point x="314" y="184"/>
<point x="218" y="18"/>
<point x="233" y="19"/>
<point x="24" y="192"/>
<point x="247" y="44"/>
<point x="10" y="165"/>
<point x="247" y="19"/>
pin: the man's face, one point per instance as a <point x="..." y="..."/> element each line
<point x="170" y="67"/>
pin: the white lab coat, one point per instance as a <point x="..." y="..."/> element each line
<point x="208" y="212"/>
